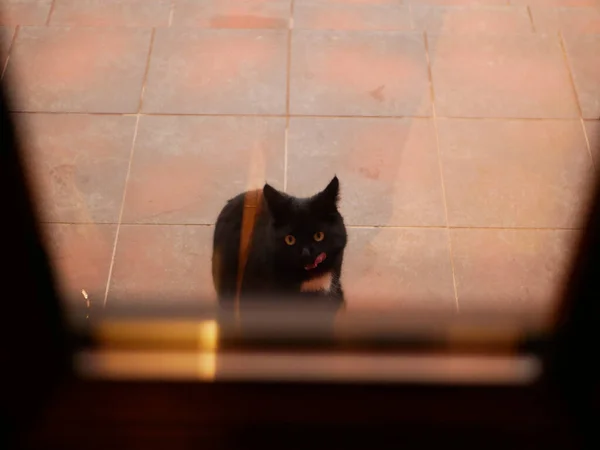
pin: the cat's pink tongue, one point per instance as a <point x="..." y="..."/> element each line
<point x="319" y="259"/>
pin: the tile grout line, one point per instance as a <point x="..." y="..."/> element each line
<point x="443" y="227"/>
<point x="440" y="168"/>
<point x="524" y="119"/>
<point x="287" y="95"/>
<point x="50" y="12"/>
<point x="145" y="80"/>
<point x="587" y="143"/>
<point x="127" y="175"/>
<point x="301" y="116"/>
<point x="119" y="223"/>
<point x="9" y="51"/>
<point x="532" y="23"/>
<point x="357" y="227"/>
<point x="563" y="47"/>
<point x="171" y="13"/>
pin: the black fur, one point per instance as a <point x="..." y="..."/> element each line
<point x="274" y="269"/>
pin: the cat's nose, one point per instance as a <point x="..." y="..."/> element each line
<point x="305" y="252"/>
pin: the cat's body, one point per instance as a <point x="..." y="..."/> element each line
<point x="296" y="251"/>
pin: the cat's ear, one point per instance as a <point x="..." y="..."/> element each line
<point x="329" y="197"/>
<point x="277" y="201"/>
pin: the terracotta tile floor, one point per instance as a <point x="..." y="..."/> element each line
<point x="464" y="133"/>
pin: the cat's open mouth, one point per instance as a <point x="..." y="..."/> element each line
<point x="318" y="260"/>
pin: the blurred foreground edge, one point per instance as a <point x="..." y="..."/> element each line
<point x="545" y="396"/>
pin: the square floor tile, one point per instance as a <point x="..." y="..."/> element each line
<point x="472" y="19"/>
<point x="386" y="268"/>
<point x="513" y="76"/>
<point x="186" y="168"/>
<point x="592" y="128"/>
<point x="556" y="3"/>
<point x="24" y="12"/>
<point x="458" y="2"/>
<point x="584" y="57"/>
<point x="162" y="265"/>
<point x="388" y="168"/>
<point x="78" y="69"/>
<point x="509" y="173"/>
<point x="358" y="2"/>
<point x="81" y="257"/>
<point x="503" y="270"/>
<point x="274" y="14"/>
<point x="566" y="20"/>
<point x="319" y="15"/>
<point x="369" y="73"/>
<point x="217" y="72"/>
<point x="149" y="13"/>
<point x="78" y="164"/>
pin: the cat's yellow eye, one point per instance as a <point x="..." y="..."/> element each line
<point x="319" y="236"/>
<point x="290" y="240"/>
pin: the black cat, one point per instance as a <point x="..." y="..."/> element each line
<point x="296" y="250"/>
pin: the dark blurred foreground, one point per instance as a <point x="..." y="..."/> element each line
<point x="287" y="381"/>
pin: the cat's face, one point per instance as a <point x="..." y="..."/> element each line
<point x="309" y="233"/>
